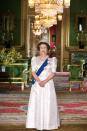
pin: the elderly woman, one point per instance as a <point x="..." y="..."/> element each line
<point x="42" y="109"/>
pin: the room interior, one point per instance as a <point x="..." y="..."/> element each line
<point x="67" y="33"/>
<point x="64" y="25"/>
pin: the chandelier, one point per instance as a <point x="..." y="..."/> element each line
<point x="49" y="7"/>
<point x="49" y="11"/>
<point x="45" y="21"/>
<point x="38" y="28"/>
<point x="41" y="24"/>
<point x="39" y="31"/>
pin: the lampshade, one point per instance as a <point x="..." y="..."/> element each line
<point x="60" y="17"/>
<point x="67" y="3"/>
<point x="31" y="3"/>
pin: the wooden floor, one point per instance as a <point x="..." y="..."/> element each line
<point x="81" y="127"/>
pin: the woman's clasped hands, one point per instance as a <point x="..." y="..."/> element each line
<point x="42" y="83"/>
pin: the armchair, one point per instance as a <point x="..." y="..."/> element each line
<point x="15" y="73"/>
<point x="76" y="75"/>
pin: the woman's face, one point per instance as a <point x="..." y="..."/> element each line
<point x="43" y="49"/>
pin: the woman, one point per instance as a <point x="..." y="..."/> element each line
<point x="42" y="109"/>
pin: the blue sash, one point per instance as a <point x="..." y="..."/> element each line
<point x="40" y="70"/>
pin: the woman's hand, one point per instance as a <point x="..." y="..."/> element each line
<point x="42" y="83"/>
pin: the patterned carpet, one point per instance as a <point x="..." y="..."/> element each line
<point x="72" y="107"/>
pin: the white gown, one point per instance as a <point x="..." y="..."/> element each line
<point x="42" y="108"/>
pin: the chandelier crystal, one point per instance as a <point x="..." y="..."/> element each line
<point x="41" y="23"/>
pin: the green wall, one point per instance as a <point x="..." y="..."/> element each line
<point x="75" y="8"/>
<point x="15" y="7"/>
